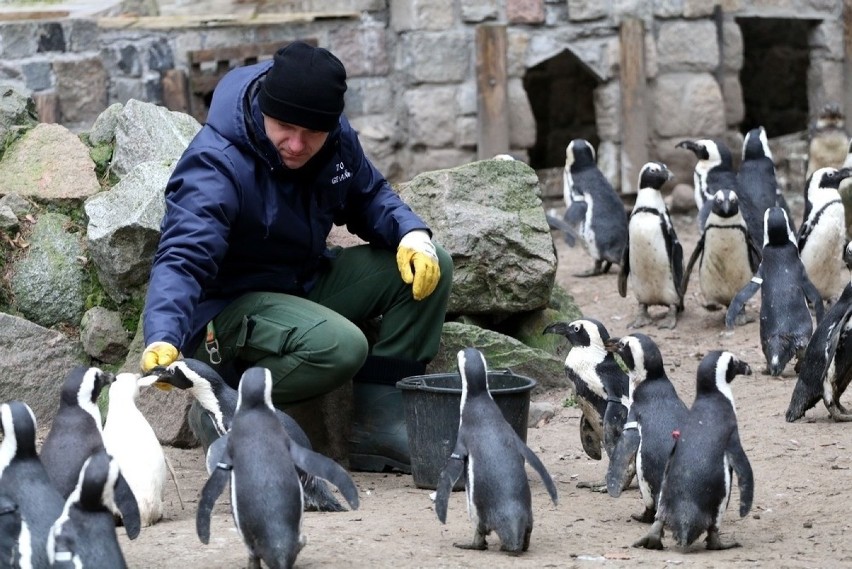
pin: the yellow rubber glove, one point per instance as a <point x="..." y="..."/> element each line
<point x="418" y="263"/>
<point x="158" y="354"/>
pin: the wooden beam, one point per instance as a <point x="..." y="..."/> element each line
<point x="634" y="105"/>
<point x="218" y="20"/>
<point x="491" y="83"/>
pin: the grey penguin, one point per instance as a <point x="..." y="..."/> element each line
<point x="219" y="400"/>
<point x="785" y="290"/>
<point x="822" y="235"/>
<point x="600" y="386"/>
<point x="259" y="461"/>
<point x="86" y="528"/>
<point x="726" y="255"/>
<point x="656" y="411"/>
<point x="827" y="139"/>
<point x="653" y="259"/>
<point x="713" y="171"/>
<point x="757" y="183"/>
<point x="24" y="481"/>
<point x="492" y="457"/>
<point x="11" y="525"/>
<point x="76" y="431"/>
<point x="594" y="211"/>
<point x="698" y="476"/>
<point x="826" y="368"/>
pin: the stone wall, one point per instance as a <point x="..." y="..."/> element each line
<point x="412" y="68"/>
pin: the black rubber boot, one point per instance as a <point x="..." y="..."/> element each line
<point x="379" y="439"/>
<point x="201" y="424"/>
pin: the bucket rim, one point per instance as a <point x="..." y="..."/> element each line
<point x="418" y="383"/>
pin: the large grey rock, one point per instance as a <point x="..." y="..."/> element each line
<point x="34" y="363"/>
<point x="49" y="162"/>
<point x="124" y="228"/>
<point x="47" y="282"/>
<point x="103" y="129"/>
<point x="146" y="132"/>
<point x="17" y="114"/>
<point x="103" y="336"/>
<point x="500" y="351"/>
<point x="489" y="217"/>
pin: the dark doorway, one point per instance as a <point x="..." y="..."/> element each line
<point x="561" y="93"/>
<point x="774" y="76"/>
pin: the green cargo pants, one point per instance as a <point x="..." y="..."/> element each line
<point x="312" y="345"/>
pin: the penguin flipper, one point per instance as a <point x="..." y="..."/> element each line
<point x="624" y="269"/>
<point x="613" y="424"/>
<point x="741" y="298"/>
<point x="696" y="254"/>
<point x="215" y="452"/>
<point x="590" y="438"/>
<point x="325" y="468"/>
<point x="214" y="486"/>
<point x="537" y="465"/>
<point x="755" y="255"/>
<point x="451" y="472"/>
<point x="126" y="503"/>
<point x="813" y="295"/>
<point x="745" y="479"/>
<point x="620" y="461"/>
<point x="568" y="231"/>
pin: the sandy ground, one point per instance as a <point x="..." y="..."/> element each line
<point x="802" y="479"/>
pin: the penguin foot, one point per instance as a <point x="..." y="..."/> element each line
<point x="646" y="517"/>
<point x="669" y="322"/>
<point x="714" y="543"/>
<point x="650" y="541"/>
<point x="712" y="307"/>
<point x="253" y="562"/>
<point x="839" y="414"/>
<point x="742" y="319"/>
<point x="642" y="317"/>
<point x="475" y="545"/>
<point x="593" y="486"/>
<point x="593" y="272"/>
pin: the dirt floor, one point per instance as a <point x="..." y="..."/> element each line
<point x="801" y="472"/>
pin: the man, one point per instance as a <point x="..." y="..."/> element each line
<point x="243" y="258"/>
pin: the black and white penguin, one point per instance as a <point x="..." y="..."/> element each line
<point x="259" y="461"/>
<point x="757" y="182"/>
<point x="822" y="236"/>
<point x="76" y="432"/>
<point x="86" y="528"/>
<point x="827" y="139"/>
<point x="707" y="451"/>
<point x="492" y="456"/>
<point x="713" y="171"/>
<point x="24" y="481"/>
<point x="594" y="211"/>
<point x="785" y="290"/>
<point x="653" y="258"/>
<point x="727" y="257"/>
<point x="219" y="400"/>
<point x="131" y="441"/>
<point x="600" y="386"/>
<point x="11" y="525"/>
<point x="655" y="412"/>
<point x="826" y="368"/>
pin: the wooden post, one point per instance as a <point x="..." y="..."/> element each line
<point x="47" y="106"/>
<point x="491" y="83"/>
<point x="634" y="106"/>
<point x="847" y="59"/>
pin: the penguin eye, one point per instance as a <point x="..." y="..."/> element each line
<point x="575" y="327"/>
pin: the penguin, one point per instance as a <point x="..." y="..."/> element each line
<point x="698" y="477"/>
<point x="131" y="441"/>
<point x="76" y="431"/>
<point x="86" y="528"/>
<point x="600" y="386"/>
<point x="655" y="412"/>
<point x="594" y="212"/>
<point x="259" y="461"/>
<point x="827" y="139"/>
<point x="492" y="456"/>
<point x="10" y="532"/>
<point x="785" y="290"/>
<point x="653" y="258"/>
<point x="713" y="171"/>
<point x="757" y="182"/>
<point x="826" y="368"/>
<point x="822" y="236"/>
<point x="220" y="402"/>
<point x="727" y="256"/>
<point x="24" y="482"/>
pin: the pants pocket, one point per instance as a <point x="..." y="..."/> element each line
<point x="260" y="337"/>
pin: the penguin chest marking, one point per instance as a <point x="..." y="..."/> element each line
<point x="822" y="254"/>
<point x="644" y="487"/>
<point x="589" y="238"/>
<point x="723" y="504"/>
<point x="724" y="267"/>
<point x="650" y="269"/>
<point x="470" y="488"/>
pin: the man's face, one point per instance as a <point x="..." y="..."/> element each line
<point x="295" y="144"/>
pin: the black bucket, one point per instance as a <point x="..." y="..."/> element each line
<point x="431" y="404"/>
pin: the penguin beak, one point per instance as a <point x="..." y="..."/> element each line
<point x="741" y="368"/>
<point x="560" y="328"/>
<point x="688" y="144"/>
<point x="847" y="255"/>
<point x="611" y="345"/>
<point x="159" y="378"/>
<point x="844" y="173"/>
<point x="149" y="380"/>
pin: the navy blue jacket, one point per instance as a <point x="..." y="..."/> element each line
<point x="238" y="220"/>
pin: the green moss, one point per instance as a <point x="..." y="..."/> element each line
<point x="570" y="401"/>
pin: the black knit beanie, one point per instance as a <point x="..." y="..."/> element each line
<point x="304" y="87"/>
